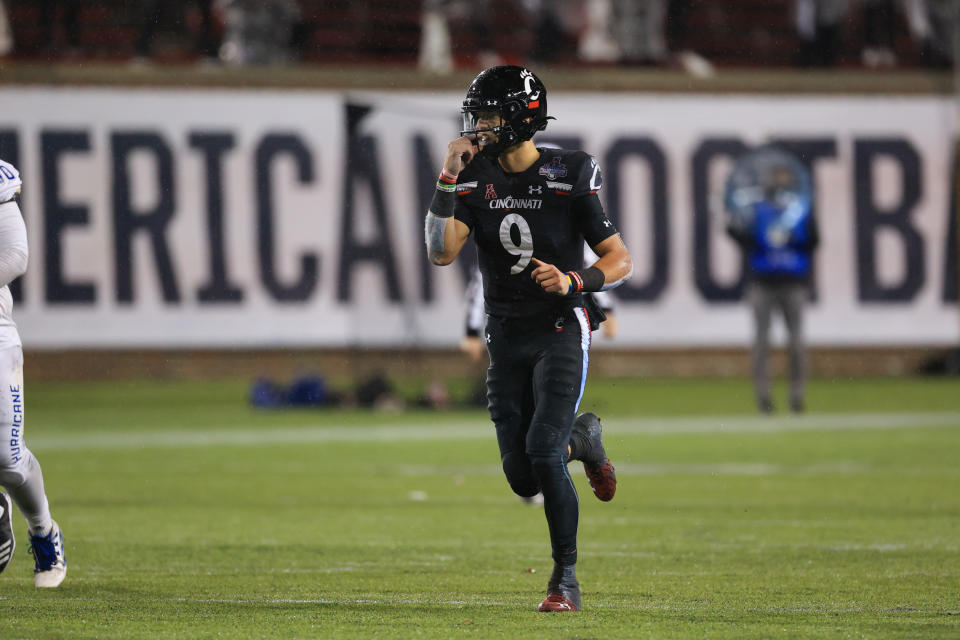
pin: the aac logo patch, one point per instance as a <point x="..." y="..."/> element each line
<point x="490" y="193"/>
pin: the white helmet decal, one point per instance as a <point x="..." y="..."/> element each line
<point x="528" y="81"/>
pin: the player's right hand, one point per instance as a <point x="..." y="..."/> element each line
<point x="459" y="154"/>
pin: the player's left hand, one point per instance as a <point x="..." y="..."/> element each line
<point x="550" y="278"/>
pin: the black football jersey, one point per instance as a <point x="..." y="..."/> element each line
<point x="545" y="212"/>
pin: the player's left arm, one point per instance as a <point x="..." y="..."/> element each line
<point x="612" y="269"/>
<point x="614" y="263"/>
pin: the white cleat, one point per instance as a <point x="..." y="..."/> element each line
<point x="7" y="541"/>
<point x="51" y="564"/>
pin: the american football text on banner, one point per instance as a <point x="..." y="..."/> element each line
<point x="241" y="218"/>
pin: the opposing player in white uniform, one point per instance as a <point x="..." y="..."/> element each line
<point x="20" y="472"/>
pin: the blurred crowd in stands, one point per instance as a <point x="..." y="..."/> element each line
<point x="440" y="35"/>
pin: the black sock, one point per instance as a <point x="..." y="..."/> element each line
<point x="563" y="574"/>
<point x="579" y="446"/>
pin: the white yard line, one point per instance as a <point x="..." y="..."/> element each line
<point x="838" y="467"/>
<point x="459" y="604"/>
<point x="136" y="439"/>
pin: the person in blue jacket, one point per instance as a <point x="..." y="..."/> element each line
<point x="769" y="202"/>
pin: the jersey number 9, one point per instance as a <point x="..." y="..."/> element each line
<point x="525" y="247"/>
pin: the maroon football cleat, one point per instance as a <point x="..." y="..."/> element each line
<point x="556" y="602"/>
<point x="563" y="590"/>
<point x="603" y="480"/>
<point x="596" y="464"/>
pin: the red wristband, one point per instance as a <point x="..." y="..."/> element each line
<point x="447" y="178"/>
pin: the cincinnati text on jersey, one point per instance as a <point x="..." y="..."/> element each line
<point x="516" y="203"/>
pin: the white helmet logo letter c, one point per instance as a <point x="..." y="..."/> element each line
<point x="528" y="84"/>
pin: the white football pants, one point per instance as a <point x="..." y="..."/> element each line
<point x="20" y="472"/>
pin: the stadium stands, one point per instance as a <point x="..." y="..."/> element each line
<point x="732" y="33"/>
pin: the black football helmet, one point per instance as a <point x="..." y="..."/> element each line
<point x="516" y="95"/>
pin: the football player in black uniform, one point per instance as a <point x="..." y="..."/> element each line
<point x="530" y="210"/>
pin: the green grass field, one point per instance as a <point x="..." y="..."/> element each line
<point x="188" y="515"/>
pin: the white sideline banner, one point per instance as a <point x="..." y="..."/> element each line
<point x="252" y="218"/>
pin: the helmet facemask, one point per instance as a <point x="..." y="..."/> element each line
<point x="508" y="102"/>
<point x="476" y="123"/>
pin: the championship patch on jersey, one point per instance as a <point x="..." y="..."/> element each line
<point x="554" y="170"/>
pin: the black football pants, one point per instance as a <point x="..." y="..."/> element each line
<point x="534" y="384"/>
